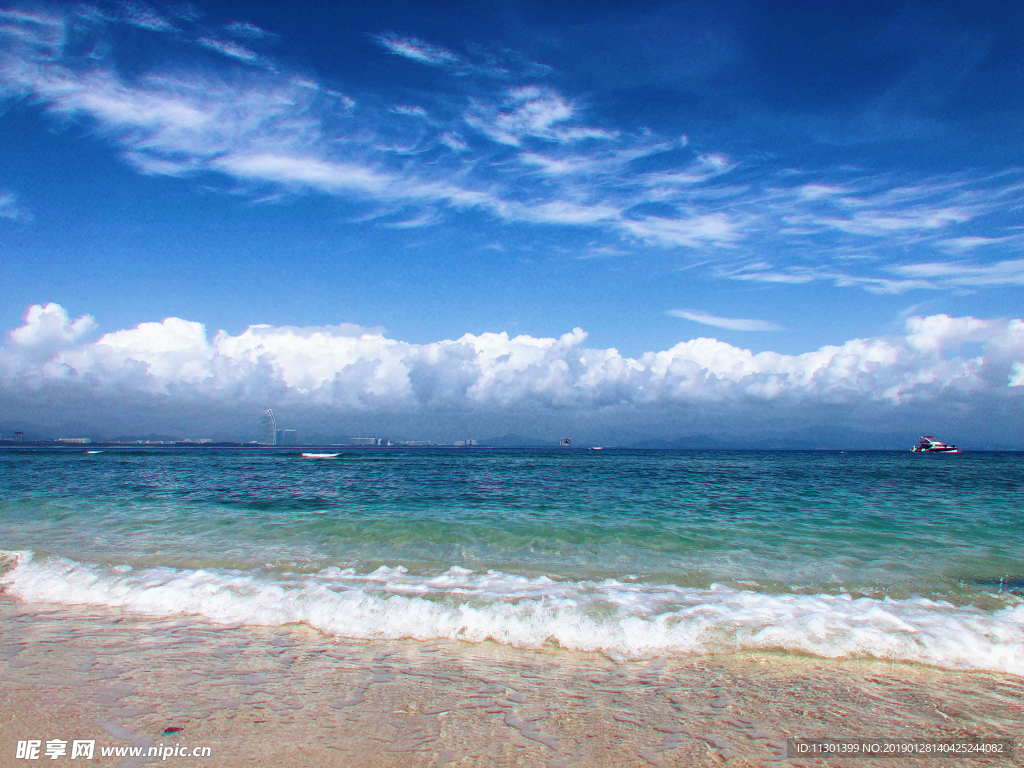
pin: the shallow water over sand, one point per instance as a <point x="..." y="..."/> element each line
<point x="290" y="696"/>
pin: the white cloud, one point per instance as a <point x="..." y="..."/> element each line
<point x="307" y="171"/>
<point x="453" y="140"/>
<point x="10" y="209"/>
<point x="43" y="34"/>
<point x="761" y="272"/>
<point x="560" y="212"/>
<point x="881" y="224"/>
<point x="939" y="331"/>
<point x="549" y="165"/>
<point x="48" y="324"/>
<point x="699" y="172"/>
<point x="730" y="323"/>
<point x="245" y="29"/>
<point x="422" y="219"/>
<point x="348" y="368"/>
<point x="954" y="273"/>
<point x="819" y="191"/>
<point x="417" y="50"/>
<point x="230" y="49"/>
<point x="30" y="18"/>
<point x="1017" y="377"/>
<point x="531" y="111"/>
<point x="409" y="110"/>
<point x="691" y="232"/>
<point x="147" y="18"/>
<point x="962" y="244"/>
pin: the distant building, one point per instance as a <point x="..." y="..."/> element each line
<point x="368" y="441"/>
<point x="78" y="440"/>
<point x="463" y="443"/>
<point x="268" y="428"/>
<point x="287" y="437"/>
<point x="19" y="437"/>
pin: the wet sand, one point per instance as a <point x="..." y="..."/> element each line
<point x="291" y="697"/>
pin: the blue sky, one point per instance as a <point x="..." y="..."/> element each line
<point x="777" y="179"/>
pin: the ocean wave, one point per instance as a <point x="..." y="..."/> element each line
<point x="622" y="619"/>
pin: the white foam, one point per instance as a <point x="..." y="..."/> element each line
<point x="632" y="620"/>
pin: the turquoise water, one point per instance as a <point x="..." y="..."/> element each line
<point x="891" y="555"/>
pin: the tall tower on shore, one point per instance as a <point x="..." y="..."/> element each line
<point x="268" y="428"/>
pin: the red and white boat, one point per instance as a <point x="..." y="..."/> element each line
<point x="928" y="444"/>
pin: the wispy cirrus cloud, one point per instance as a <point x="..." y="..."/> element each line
<point x="147" y="18"/>
<point x="416" y="49"/>
<point x="245" y="29"/>
<point x="762" y="272"/>
<point x="43" y="34"/>
<point x="729" y="323"/>
<point x="879" y="224"/>
<point x="477" y="61"/>
<point x="11" y="209"/>
<point x="230" y="49"/>
<point x="273" y="131"/>
<point x="966" y="274"/>
<point x="532" y="111"/>
<point x="410" y="110"/>
<point x="424" y="218"/>
<point x="969" y="243"/>
<point x="688" y="231"/>
<point x="924" y="211"/>
<point x="523" y="152"/>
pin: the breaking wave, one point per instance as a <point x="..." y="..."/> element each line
<point x="622" y="619"/>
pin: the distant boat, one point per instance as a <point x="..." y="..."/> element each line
<point x="928" y="444"/>
<point x="320" y="455"/>
<point x="566" y="443"/>
<point x="91" y="452"/>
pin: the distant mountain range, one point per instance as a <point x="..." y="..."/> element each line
<point x="815" y="439"/>
<point x="517" y="441"/>
<point x="820" y="438"/>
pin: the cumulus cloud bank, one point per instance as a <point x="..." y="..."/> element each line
<point x="351" y="369"/>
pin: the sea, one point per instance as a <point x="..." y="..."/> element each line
<point x="630" y="554"/>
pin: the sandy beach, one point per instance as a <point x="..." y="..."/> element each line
<point x="289" y="696"/>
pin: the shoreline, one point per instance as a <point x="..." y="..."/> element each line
<point x="290" y="696"/>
